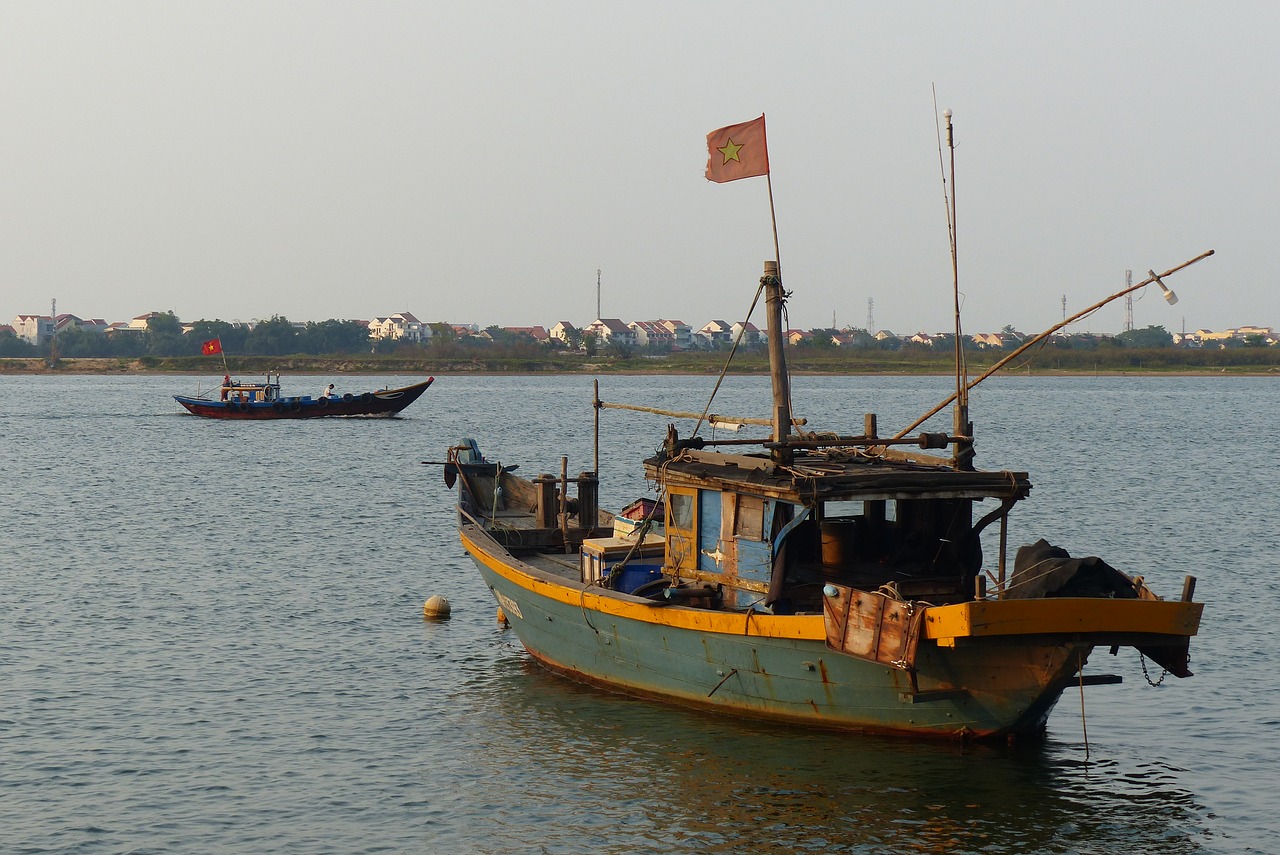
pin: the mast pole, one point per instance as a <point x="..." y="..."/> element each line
<point x="962" y="452"/>
<point x="774" y="296"/>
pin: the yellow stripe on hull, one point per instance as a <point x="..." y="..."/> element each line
<point x="1062" y="616"/>
<point x="976" y="619"/>
<point x="806" y="627"/>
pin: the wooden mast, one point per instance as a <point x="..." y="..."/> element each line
<point x="777" y="362"/>
<point x="962" y="428"/>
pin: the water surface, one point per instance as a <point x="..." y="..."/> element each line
<point x="211" y="636"/>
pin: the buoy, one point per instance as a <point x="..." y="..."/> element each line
<point x="435" y="608"/>
<point x="502" y="618"/>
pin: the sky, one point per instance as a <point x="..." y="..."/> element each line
<point x="479" y="162"/>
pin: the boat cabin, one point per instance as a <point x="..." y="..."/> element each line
<point x="772" y="536"/>
<point x="238" y="392"/>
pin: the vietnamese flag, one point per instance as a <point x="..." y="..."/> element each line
<point x="737" y="151"/>
<point x="209" y="348"/>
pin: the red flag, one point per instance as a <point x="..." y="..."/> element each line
<point x="209" y="348"/>
<point x="737" y="151"/>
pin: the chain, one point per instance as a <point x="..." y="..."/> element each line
<point x="1150" y="682"/>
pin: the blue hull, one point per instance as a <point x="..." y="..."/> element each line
<point x="384" y="403"/>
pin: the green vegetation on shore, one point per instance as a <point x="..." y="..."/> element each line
<point x="1047" y="360"/>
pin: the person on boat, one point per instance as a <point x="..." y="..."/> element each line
<point x="328" y="392"/>
<point x="226" y="385"/>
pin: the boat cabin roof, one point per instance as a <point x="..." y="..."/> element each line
<point x="835" y="474"/>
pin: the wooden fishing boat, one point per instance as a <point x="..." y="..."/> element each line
<point x="240" y="400"/>
<point x="826" y="581"/>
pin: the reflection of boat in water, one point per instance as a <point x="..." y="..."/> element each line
<point x="238" y="400"/>
<point x="828" y="581"/>
<point x="720" y="782"/>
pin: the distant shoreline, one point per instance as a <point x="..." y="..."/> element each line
<point x="312" y="367"/>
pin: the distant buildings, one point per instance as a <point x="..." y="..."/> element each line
<point x="656" y="335"/>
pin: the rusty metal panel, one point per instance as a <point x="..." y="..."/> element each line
<point x="872" y="626"/>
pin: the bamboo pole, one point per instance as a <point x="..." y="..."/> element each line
<point x="677" y="414"/>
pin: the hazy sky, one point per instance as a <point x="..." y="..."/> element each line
<point x="477" y="162"/>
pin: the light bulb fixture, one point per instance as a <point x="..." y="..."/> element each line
<point x="1169" y="296"/>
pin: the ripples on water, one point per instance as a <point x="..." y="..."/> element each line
<point x="211" y="636"/>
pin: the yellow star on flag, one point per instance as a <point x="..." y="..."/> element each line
<point x="730" y="152"/>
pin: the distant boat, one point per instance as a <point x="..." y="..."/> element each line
<point x="240" y="400"/>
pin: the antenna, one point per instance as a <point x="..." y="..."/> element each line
<point x="597" y="293"/>
<point x="871" y="316"/>
<point x="1128" y="302"/>
<point x="1064" y="307"/>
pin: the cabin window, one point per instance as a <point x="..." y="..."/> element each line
<point x="681" y="510"/>
<point x="682" y="533"/>
<point x="750" y="519"/>
<point x="838" y="510"/>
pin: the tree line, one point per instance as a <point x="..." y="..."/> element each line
<point x="164" y="336"/>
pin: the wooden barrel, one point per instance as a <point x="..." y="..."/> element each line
<point x="838" y="541"/>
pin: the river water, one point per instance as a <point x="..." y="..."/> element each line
<point x="211" y="636"/>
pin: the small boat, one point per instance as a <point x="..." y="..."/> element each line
<point x="240" y="400"/>
<point x="827" y="581"/>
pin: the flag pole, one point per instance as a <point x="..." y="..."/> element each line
<point x="773" y="216"/>
<point x="775" y="297"/>
<point x="777" y="254"/>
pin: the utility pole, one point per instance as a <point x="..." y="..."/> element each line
<point x="1128" y="302"/>
<point x="53" y="332"/>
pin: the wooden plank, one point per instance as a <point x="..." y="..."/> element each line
<point x="872" y="626"/>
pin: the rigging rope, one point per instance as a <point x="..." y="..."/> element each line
<point x="741" y="331"/>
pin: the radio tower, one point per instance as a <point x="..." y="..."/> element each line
<point x="871" y="316"/>
<point x="1128" y="301"/>
<point x="597" y="293"/>
<point x="1064" y="307"/>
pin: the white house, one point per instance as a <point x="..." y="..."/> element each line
<point x="562" y="331"/>
<point x="33" y="328"/>
<point x="610" y="330"/>
<point x="750" y="333"/>
<point x="653" y="334"/>
<point x="714" y="333"/>
<point x="681" y="334"/>
<point x="401" y="326"/>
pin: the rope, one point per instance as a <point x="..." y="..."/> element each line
<point x="723" y="371"/>
<point x="1083" y="725"/>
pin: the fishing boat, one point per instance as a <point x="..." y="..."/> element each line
<point x="827" y="581"/>
<point x="250" y="400"/>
